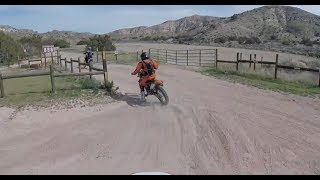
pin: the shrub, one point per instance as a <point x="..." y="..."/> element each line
<point x="82" y="42"/>
<point x="286" y="42"/>
<point x="102" y="42"/>
<point x="295" y="27"/>
<point x="56" y="42"/>
<point x="9" y="49"/>
<point x="220" y="40"/>
<point x="307" y="42"/>
<point x="147" y="38"/>
<point x="87" y="83"/>
<point x="232" y="38"/>
<point x="234" y="17"/>
<point x="273" y="37"/>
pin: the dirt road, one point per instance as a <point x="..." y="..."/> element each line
<point x="209" y="127"/>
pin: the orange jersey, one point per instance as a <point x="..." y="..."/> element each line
<point x="140" y="66"/>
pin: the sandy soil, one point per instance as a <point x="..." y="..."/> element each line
<point x="209" y="127"/>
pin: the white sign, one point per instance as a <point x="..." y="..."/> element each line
<point x="48" y="49"/>
<point x="115" y="52"/>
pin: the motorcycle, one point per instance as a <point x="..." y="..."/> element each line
<point x="155" y="87"/>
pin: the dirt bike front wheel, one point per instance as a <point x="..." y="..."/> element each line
<point x="162" y="95"/>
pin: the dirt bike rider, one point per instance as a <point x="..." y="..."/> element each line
<point x="88" y="55"/>
<point x="148" y="67"/>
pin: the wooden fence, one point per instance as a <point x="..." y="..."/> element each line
<point x="195" y="57"/>
<point x="44" y="59"/>
<point x="209" y="57"/>
<point x="100" y="54"/>
<point x="52" y="73"/>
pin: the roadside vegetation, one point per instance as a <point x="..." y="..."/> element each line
<point x="302" y="88"/>
<point x="36" y="90"/>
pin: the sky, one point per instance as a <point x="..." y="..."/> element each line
<point x="102" y="19"/>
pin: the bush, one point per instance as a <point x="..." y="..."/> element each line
<point x="32" y="44"/>
<point x="273" y="37"/>
<point x="148" y="38"/>
<point x="234" y="17"/>
<point x="102" y="42"/>
<point x="253" y="40"/>
<point x="286" y="42"/>
<point x="307" y="42"/>
<point x="184" y="38"/>
<point x="246" y="40"/>
<point x="82" y="42"/>
<point x="295" y="27"/>
<point x="232" y="38"/>
<point x="220" y="40"/>
<point x="9" y="49"/>
<point x="87" y="83"/>
<point x="56" y="42"/>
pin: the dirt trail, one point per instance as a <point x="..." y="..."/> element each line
<point x="209" y="127"/>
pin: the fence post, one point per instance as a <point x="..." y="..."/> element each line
<point x="60" y="62"/>
<point x="200" y="57"/>
<point x="65" y="64"/>
<point x="45" y="60"/>
<point x="79" y="65"/>
<point x="216" y="58"/>
<point x="237" y="65"/>
<point x="176" y="56"/>
<point x="138" y="56"/>
<point x="276" y="67"/>
<point x="319" y="77"/>
<point x="1" y="86"/>
<point x="90" y="70"/>
<point x="18" y="61"/>
<point x="71" y="65"/>
<point x="250" y="61"/>
<point x="254" y="62"/>
<point x="105" y="70"/>
<point x="53" y="86"/>
<point x="116" y="57"/>
<point x="187" y="57"/>
<point x="29" y="64"/>
<point x="166" y="56"/>
<point x="8" y="59"/>
<point x="97" y="55"/>
<point x="51" y="57"/>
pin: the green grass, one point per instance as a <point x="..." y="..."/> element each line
<point x="292" y="87"/>
<point x="36" y="90"/>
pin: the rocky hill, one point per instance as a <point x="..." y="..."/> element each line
<point x="283" y="24"/>
<point x="72" y="37"/>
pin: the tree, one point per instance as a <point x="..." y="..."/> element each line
<point x="9" y="49"/>
<point x="102" y="42"/>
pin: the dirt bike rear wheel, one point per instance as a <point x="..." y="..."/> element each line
<point x="162" y="95"/>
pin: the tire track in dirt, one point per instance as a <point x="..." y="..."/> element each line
<point x="209" y="127"/>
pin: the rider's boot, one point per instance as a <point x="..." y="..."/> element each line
<point x="143" y="95"/>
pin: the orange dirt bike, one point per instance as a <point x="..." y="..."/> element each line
<point x="155" y="87"/>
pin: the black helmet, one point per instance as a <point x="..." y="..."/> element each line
<point x="143" y="56"/>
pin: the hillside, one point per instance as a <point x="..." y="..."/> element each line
<point x="267" y="27"/>
<point x="72" y="37"/>
<point x="266" y="23"/>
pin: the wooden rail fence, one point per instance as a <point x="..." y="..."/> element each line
<point x="54" y="75"/>
<point x="194" y="57"/>
<point x="198" y="58"/>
